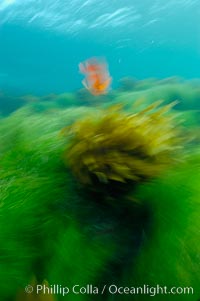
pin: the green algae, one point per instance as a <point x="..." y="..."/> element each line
<point x="57" y="230"/>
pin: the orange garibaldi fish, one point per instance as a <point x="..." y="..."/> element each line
<point x="97" y="78"/>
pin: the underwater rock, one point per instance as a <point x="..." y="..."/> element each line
<point x="49" y="97"/>
<point x="84" y="97"/>
<point x="65" y="100"/>
<point x="9" y="103"/>
<point x="170" y="80"/>
<point x="127" y="84"/>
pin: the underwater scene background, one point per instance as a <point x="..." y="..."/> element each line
<point x="99" y="150"/>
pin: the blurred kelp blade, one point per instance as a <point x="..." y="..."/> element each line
<point x="55" y="229"/>
<point x="119" y="146"/>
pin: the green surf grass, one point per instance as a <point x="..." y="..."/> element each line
<point x="53" y="229"/>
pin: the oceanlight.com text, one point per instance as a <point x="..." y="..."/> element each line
<point x="151" y="290"/>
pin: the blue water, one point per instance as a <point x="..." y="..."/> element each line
<point x="43" y="41"/>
